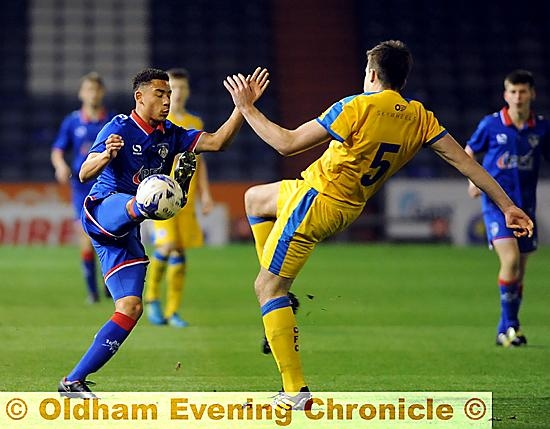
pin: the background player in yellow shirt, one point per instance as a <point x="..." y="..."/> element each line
<point x="173" y="236"/>
<point x="372" y="135"/>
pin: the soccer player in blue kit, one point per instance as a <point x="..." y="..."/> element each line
<point x="76" y="135"/>
<point x="126" y="151"/>
<point x="513" y="140"/>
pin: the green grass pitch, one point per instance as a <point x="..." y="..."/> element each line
<point x="373" y="318"/>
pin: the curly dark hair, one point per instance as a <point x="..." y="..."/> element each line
<point x="146" y="76"/>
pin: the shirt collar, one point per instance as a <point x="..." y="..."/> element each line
<point x="87" y="119"/>
<point x="507" y="120"/>
<point x="144" y="126"/>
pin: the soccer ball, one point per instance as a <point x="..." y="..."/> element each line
<point x="159" y="197"/>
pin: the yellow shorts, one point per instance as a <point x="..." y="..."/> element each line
<point x="304" y="218"/>
<point x="183" y="230"/>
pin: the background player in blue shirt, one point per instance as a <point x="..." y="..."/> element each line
<point x="513" y="140"/>
<point x="126" y="151"/>
<point x="76" y="135"/>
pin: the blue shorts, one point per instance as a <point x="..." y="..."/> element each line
<point x="495" y="224"/>
<point x="117" y="241"/>
<point x="79" y="192"/>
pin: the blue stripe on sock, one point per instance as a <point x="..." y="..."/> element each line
<point x="275" y="303"/>
<point x="160" y="257"/>
<point x="174" y="260"/>
<point x="253" y="220"/>
<point x="292" y="225"/>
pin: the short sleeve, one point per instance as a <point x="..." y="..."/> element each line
<point x="480" y="139"/>
<point x="187" y="139"/>
<point x="99" y="144"/>
<point x="63" y="140"/>
<point x="433" y="129"/>
<point x="339" y="119"/>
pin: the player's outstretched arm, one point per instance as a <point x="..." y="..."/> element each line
<point x="284" y="141"/>
<point x="222" y="138"/>
<point x="449" y="149"/>
<point x="97" y="161"/>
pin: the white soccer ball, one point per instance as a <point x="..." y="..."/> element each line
<point x="159" y="196"/>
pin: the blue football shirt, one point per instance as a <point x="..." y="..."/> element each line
<point x="512" y="156"/>
<point x="146" y="151"/>
<point x="77" y="135"/>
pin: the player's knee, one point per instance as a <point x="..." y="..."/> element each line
<point x="511" y="264"/>
<point x="251" y="201"/>
<point x="130" y="306"/>
<point x="259" y="290"/>
<point x="165" y="249"/>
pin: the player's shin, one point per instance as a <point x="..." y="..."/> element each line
<point x="89" y="271"/>
<point x="509" y="302"/>
<point x="155" y="271"/>
<point x="282" y="332"/>
<point x="175" y="278"/>
<point x="106" y="343"/>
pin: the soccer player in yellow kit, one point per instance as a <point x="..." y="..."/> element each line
<point x="371" y="136"/>
<point x="173" y="236"/>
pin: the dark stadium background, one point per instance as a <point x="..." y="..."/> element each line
<point x="315" y="50"/>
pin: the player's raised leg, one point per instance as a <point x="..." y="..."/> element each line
<point x="261" y="209"/>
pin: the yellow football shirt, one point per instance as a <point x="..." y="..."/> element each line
<point x="374" y="135"/>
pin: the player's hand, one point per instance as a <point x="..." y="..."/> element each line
<point x="113" y="144"/>
<point x="63" y="174"/>
<point x="246" y="91"/>
<point x="207" y="203"/>
<point x="258" y="82"/>
<point x="517" y="220"/>
<point x="473" y="190"/>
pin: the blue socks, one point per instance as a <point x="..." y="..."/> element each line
<point x="88" y="268"/>
<point x="106" y="343"/>
<point x="510" y="300"/>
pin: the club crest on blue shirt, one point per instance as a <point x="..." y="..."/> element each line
<point x="80" y="131"/>
<point x="533" y="140"/>
<point x="163" y="150"/>
<point x="501" y="138"/>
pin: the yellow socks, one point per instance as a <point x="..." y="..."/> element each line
<point x="261" y="227"/>
<point x="282" y="333"/>
<point x="175" y="278"/>
<point x="155" y="271"/>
